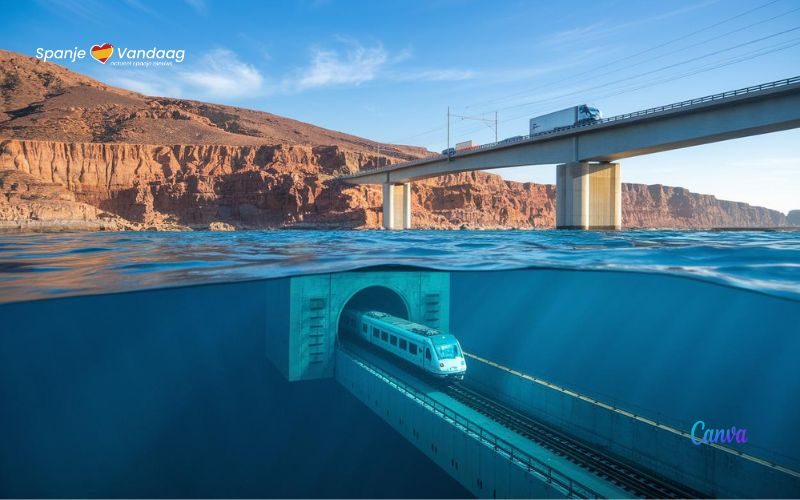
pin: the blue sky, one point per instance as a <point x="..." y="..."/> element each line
<point x="388" y="70"/>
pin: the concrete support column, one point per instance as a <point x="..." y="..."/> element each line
<point x="407" y="205"/>
<point x="388" y="206"/>
<point x="397" y="206"/>
<point x="588" y="196"/>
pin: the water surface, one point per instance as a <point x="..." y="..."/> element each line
<point x="34" y="266"/>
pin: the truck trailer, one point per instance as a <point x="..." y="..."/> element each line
<point x="463" y="146"/>
<point x="565" y="118"/>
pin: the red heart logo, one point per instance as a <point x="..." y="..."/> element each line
<point x="102" y="52"/>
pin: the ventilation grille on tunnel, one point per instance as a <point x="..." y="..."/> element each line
<point x="314" y="342"/>
<point x="431" y="312"/>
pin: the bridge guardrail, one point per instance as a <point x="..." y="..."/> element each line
<point x="533" y="465"/>
<point x="625" y="116"/>
<point x="658" y="109"/>
<point x="708" y="98"/>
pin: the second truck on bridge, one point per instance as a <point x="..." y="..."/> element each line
<point x="565" y="118"/>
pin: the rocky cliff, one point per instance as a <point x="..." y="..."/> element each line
<point x="674" y="207"/>
<point x="27" y="202"/>
<point x="793" y="218"/>
<point x="201" y="186"/>
<point x="77" y="153"/>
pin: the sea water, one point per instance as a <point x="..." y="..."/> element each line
<point x="133" y="364"/>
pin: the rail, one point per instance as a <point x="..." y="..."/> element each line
<point x="612" y="119"/>
<point x="532" y="465"/>
<point x="772" y="464"/>
<point x="635" y="480"/>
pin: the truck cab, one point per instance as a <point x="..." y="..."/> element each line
<point x="588" y="114"/>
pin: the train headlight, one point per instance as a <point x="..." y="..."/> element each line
<point x="441" y="365"/>
<point x="462" y="362"/>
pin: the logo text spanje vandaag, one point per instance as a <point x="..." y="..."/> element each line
<point x="105" y="51"/>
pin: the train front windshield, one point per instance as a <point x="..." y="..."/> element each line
<point x="448" y="350"/>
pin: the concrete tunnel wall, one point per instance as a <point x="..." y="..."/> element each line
<point x="303" y="314"/>
<point x="709" y="470"/>
<point x="478" y="467"/>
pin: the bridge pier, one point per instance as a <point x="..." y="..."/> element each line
<point x="588" y="196"/>
<point x="397" y="205"/>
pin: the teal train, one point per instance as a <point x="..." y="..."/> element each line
<point x="437" y="354"/>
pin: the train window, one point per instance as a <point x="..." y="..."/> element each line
<point x="364" y="327"/>
<point x="375" y="333"/>
<point x="384" y="335"/>
<point x="393" y="340"/>
<point x="427" y="353"/>
<point x="412" y="348"/>
<point x="403" y="344"/>
<point x="447" y="351"/>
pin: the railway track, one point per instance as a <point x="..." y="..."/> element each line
<point x="621" y="474"/>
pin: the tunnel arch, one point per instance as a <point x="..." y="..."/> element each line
<point x="376" y="297"/>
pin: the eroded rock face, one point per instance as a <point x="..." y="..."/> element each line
<point x="80" y="153"/>
<point x="202" y="186"/>
<point x="246" y="186"/>
<point x="674" y="207"/>
<point x="793" y="218"/>
<point x="27" y="202"/>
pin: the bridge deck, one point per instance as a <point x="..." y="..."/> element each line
<point x="764" y="108"/>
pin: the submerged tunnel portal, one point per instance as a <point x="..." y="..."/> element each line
<point x="304" y="312"/>
<point x="374" y="298"/>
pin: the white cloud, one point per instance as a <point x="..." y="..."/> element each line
<point x="221" y="74"/>
<point x="147" y="84"/>
<point x="434" y="75"/>
<point x="218" y="74"/>
<point x="574" y="34"/>
<point x="136" y="4"/>
<point x="199" y="6"/>
<point x="359" y="64"/>
<point x="331" y="68"/>
<point x="604" y="27"/>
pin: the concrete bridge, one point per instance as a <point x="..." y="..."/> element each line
<point x="588" y="182"/>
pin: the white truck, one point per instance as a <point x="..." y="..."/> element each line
<point x="464" y="146"/>
<point x="576" y="115"/>
<point x="461" y="147"/>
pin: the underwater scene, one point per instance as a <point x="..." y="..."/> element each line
<point x="400" y="364"/>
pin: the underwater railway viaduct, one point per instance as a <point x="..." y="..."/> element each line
<point x="589" y="181"/>
<point x="500" y="433"/>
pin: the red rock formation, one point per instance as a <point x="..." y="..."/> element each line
<point x="278" y="186"/>
<point x="78" y="150"/>
<point x="27" y="202"/>
<point x="674" y="207"/>
<point x="793" y="218"/>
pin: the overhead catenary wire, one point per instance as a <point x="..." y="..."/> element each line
<point x="642" y="85"/>
<point x="582" y="91"/>
<point x="593" y="70"/>
<point x="563" y="96"/>
<point x="663" y="68"/>
<point x="716" y="37"/>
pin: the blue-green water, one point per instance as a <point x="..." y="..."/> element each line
<point x="52" y="265"/>
<point x="165" y="391"/>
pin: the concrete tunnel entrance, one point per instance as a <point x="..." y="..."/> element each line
<point x="304" y="312"/>
<point x="374" y="298"/>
